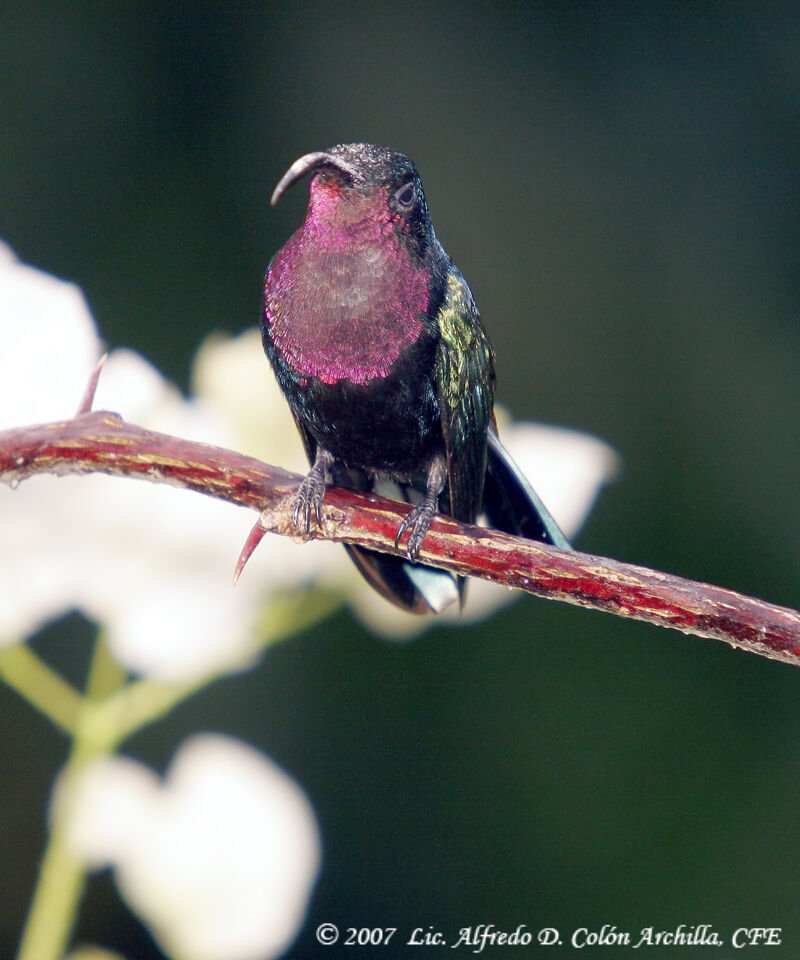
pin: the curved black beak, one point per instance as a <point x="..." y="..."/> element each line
<point x="306" y="163"/>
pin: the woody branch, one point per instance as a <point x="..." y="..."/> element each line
<point x="101" y="442"/>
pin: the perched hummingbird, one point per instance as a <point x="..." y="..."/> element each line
<point x="379" y="349"/>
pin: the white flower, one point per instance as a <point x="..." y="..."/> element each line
<point x="218" y="860"/>
<point x="48" y="345"/>
<point x="232" y="376"/>
<point x="153" y="564"/>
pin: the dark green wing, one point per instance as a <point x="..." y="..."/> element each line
<point x="465" y="373"/>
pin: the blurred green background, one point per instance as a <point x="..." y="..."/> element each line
<point x="619" y="183"/>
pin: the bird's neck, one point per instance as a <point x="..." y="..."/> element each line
<point x="345" y="297"/>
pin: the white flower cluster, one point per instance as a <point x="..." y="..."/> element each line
<point x="151" y="563"/>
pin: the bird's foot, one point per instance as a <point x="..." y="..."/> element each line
<point x="310" y="493"/>
<point x="417" y="522"/>
<point x="309" y="496"/>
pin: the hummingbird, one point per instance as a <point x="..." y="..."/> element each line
<point x="378" y="347"/>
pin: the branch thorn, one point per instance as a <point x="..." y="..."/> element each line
<point x="252" y="541"/>
<point x="85" y="406"/>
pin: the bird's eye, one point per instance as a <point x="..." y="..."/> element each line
<point x="406" y="195"/>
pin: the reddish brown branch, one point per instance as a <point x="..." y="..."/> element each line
<point x="102" y="442"/>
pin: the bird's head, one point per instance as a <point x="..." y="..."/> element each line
<point x="356" y="184"/>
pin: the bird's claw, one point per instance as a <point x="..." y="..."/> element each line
<point x="418" y="523"/>
<point x="309" y="494"/>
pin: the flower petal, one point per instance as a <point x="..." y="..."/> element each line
<point x="48" y="344"/>
<point x="219" y="861"/>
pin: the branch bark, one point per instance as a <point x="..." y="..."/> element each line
<point x="102" y="442"/>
